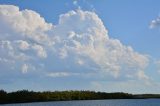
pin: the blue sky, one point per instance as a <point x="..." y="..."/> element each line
<point x="105" y="45"/>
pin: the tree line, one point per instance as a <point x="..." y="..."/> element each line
<point x="23" y="96"/>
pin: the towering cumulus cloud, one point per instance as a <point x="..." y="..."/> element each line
<point x="28" y="43"/>
<point x="84" y="35"/>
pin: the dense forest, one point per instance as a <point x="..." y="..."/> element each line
<point x="31" y="96"/>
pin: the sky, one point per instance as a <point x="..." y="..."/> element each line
<point x="105" y="45"/>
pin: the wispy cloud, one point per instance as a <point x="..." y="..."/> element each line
<point x="61" y="74"/>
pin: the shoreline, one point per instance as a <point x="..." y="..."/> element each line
<point x="25" y="96"/>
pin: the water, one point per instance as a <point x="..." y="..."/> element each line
<point x="122" y="102"/>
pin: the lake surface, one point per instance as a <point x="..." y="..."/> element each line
<point x="122" y="102"/>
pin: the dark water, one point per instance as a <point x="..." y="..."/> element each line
<point x="124" y="102"/>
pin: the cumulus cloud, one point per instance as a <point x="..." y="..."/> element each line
<point x="26" y="23"/>
<point x="87" y="37"/>
<point x="40" y="51"/>
<point x="22" y="21"/>
<point x="79" y="42"/>
<point x="23" y="37"/>
<point x="155" y="23"/>
<point x="23" y="45"/>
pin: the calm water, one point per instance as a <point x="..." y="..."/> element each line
<point x="133" y="102"/>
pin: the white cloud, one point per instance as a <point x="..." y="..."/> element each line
<point x="23" y="34"/>
<point x="61" y="74"/>
<point x="24" y="68"/>
<point x="144" y="77"/>
<point x="40" y="51"/>
<point x="25" y="24"/>
<point x="23" y="45"/>
<point x="80" y="62"/>
<point x="155" y="23"/>
<point x="87" y="37"/>
<point x="6" y="44"/>
<point x="78" y="35"/>
<point x="22" y="21"/>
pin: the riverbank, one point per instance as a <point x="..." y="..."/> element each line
<point x="25" y="96"/>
